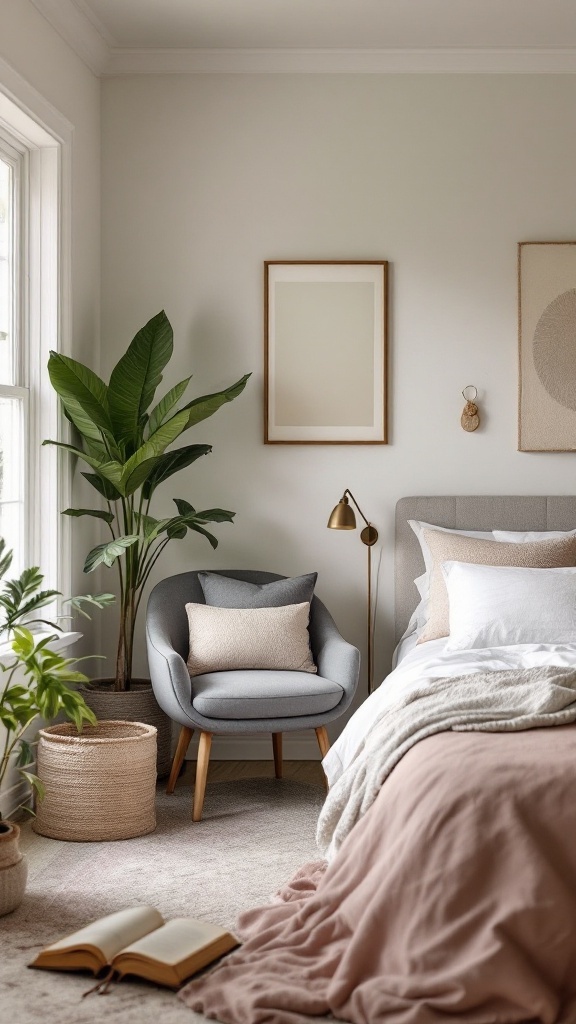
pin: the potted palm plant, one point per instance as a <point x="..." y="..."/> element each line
<point x="124" y="439"/>
<point x="36" y="682"/>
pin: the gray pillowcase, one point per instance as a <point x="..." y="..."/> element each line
<point x="225" y="592"/>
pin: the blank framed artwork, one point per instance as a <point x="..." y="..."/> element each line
<point x="547" y="346"/>
<point x="325" y="356"/>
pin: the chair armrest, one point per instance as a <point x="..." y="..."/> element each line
<point x="335" y="658"/>
<point x="170" y="677"/>
<point x="339" y="661"/>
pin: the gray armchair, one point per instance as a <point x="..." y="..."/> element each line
<point x="242" y="702"/>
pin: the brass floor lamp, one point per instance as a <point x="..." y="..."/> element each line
<point x="342" y="518"/>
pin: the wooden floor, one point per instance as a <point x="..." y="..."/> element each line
<point x="224" y="771"/>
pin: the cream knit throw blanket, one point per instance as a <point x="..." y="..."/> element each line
<point x="506" y="701"/>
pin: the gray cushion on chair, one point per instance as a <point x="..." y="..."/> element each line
<point x="253" y="694"/>
<point x="226" y="592"/>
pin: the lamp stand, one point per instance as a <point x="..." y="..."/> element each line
<point x="342" y="518"/>
<point x="369" y="536"/>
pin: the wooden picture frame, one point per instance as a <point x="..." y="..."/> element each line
<point x="325" y="352"/>
<point x="547" y="346"/>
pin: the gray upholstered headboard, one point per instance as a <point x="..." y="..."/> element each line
<point x="466" y="513"/>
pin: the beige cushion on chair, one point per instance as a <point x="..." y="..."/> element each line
<point x="249" y="638"/>
<point x="448" y="547"/>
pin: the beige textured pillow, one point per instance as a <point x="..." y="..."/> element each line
<point x="223" y="639"/>
<point x="448" y="547"/>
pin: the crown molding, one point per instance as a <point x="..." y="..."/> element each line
<point x="278" y="61"/>
<point x="78" y="30"/>
<point x="91" y="42"/>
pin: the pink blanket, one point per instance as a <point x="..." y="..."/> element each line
<point x="452" y="900"/>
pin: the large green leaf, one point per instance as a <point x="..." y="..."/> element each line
<point x="173" y="462"/>
<point x="151" y="527"/>
<point x="189" y="519"/>
<point x="200" y="529"/>
<point x="112" y="471"/>
<point x="103" y="486"/>
<point x="207" y="515"/>
<point x="148" y="453"/>
<point x="184" y="507"/>
<point x="108" y="517"/>
<point x="93" y="462"/>
<point x="177" y="531"/>
<point x="200" y="408"/>
<point x="107" y="554"/>
<point x="215" y="515"/>
<point x="139" y="475"/>
<point x="159" y="413"/>
<point x="136" y="376"/>
<point x="83" y="394"/>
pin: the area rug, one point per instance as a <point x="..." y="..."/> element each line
<point x="255" y="833"/>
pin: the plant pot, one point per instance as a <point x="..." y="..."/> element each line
<point x="135" y="705"/>
<point x="13" y="868"/>
<point x="100" y="784"/>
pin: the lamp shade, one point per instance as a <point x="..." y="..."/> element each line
<point x="342" y="516"/>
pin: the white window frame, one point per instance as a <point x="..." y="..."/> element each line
<point x="13" y="153"/>
<point x="32" y="127"/>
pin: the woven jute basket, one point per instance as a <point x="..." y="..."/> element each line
<point x="100" y="783"/>
<point x="135" y="705"/>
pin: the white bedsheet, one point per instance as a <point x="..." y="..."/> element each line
<point x="431" y="661"/>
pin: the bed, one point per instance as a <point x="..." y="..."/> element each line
<point x="446" y="890"/>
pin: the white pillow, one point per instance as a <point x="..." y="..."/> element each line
<point x="497" y="606"/>
<point x="418" y="617"/>
<point x="526" y="538"/>
<point x="226" y="639"/>
<point x="423" y="582"/>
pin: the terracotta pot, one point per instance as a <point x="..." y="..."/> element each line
<point x="13" y="868"/>
<point x="135" y="705"/>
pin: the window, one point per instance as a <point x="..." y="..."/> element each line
<point x="14" y="458"/>
<point x="34" y="318"/>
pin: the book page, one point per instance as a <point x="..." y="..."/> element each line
<point x="176" y="941"/>
<point x="111" y="933"/>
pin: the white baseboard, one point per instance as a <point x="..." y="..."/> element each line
<point x="13" y="797"/>
<point x="295" y="747"/>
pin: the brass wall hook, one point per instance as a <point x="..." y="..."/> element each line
<point x="470" y="419"/>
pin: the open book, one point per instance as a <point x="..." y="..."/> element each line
<point x="138" y="941"/>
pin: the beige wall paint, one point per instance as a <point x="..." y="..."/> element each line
<point x="39" y="55"/>
<point x="205" y="177"/>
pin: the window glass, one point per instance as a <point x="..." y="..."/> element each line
<point x="14" y="457"/>
<point x="34" y="318"/>
<point x="12" y="465"/>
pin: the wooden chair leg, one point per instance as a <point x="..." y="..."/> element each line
<point x="323" y="743"/>
<point x="201" y="774"/>
<point x="277" y="747"/>
<point x="184" y="738"/>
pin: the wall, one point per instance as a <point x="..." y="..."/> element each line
<point x="205" y="177"/>
<point x="43" y="59"/>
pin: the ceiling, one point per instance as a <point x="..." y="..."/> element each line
<point x="124" y="36"/>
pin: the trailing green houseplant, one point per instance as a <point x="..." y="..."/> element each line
<point x="125" y="444"/>
<point x="36" y="681"/>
